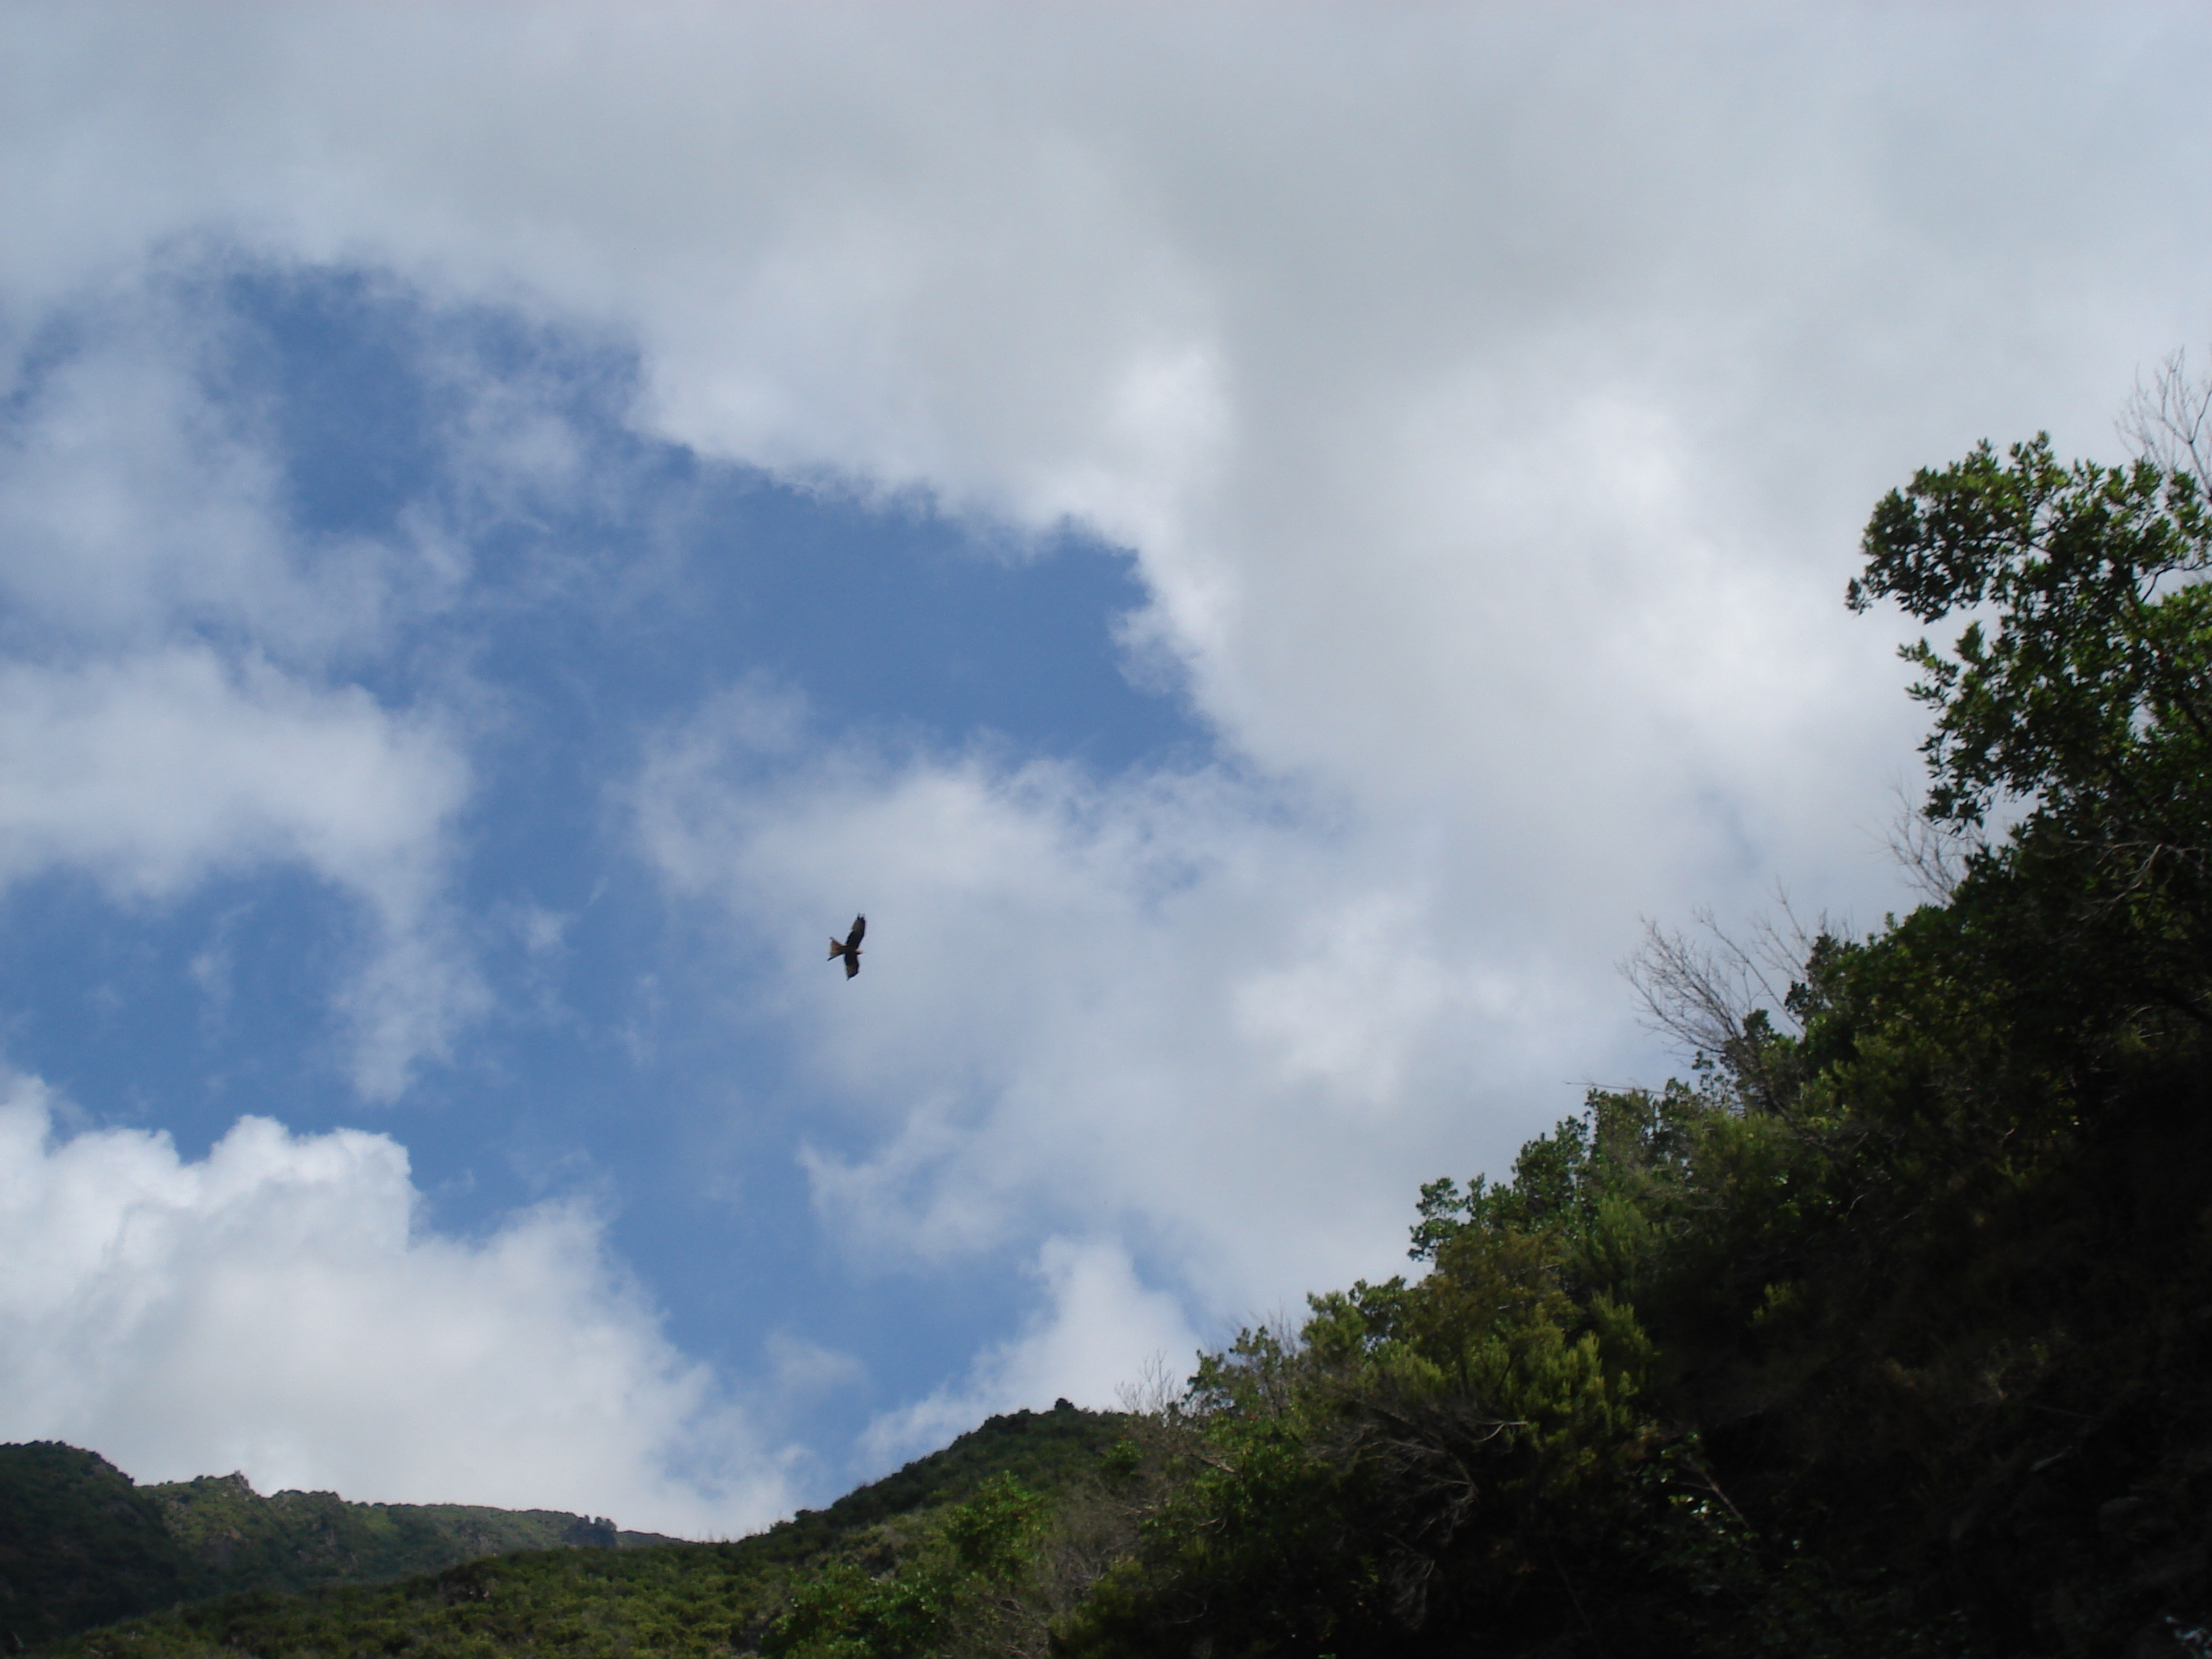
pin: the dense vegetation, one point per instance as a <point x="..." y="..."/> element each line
<point x="1889" y="1335"/>
<point x="81" y="1544"/>
<point x="952" y="1552"/>
<point x="1885" y="1334"/>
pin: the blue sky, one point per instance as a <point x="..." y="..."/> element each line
<point x="1259" y="557"/>
<point x="620" y="1059"/>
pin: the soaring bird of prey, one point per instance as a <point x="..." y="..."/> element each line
<point x="850" y="950"/>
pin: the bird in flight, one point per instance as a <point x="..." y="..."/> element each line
<point x="850" y="950"/>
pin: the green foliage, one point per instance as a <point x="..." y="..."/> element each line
<point x="2084" y="696"/>
<point x="971" y="1553"/>
<point x="2090" y="696"/>
<point x="968" y="1551"/>
<point x="1478" y="1447"/>
<point x="1044" y="1450"/>
<point x="676" y="1599"/>
<point x="239" y="1540"/>
<point x="1887" y="1335"/>
<point x="79" y="1544"/>
<point x="993" y="1534"/>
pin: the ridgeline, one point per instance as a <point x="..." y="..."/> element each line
<point x="81" y="1545"/>
<point x="228" y="1571"/>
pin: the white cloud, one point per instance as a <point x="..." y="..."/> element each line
<point x="275" y="1308"/>
<point x="154" y="770"/>
<point x="136" y="500"/>
<point x="1490" y="398"/>
<point x="173" y="695"/>
<point x="1100" y="1329"/>
<point x="151" y="770"/>
<point x="1174" y="1006"/>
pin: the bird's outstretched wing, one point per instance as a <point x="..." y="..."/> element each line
<point x="850" y="950"/>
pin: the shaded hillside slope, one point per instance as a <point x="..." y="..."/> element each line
<point x="81" y="1544"/>
<point x="239" y="1540"/>
<point x="665" y="1598"/>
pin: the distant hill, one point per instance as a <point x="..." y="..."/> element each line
<point x="1047" y="1451"/>
<point x="303" y="1573"/>
<point x="292" y="1541"/>
<point x="81" y="1545"/>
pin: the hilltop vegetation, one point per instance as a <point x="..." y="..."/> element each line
<point x="954" y="1553"/>
<point x="1883" y="1334"/>
<point x="81" y="1545"/>
<point x="1889" y="1334"/>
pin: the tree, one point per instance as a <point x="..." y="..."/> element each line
<point x="1735" y="1005"/>
<point x="1886" y="1336"/>
<point x="2077" y="702"/>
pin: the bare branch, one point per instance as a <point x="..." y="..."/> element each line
<point x="2170" y="420"/>
<point x="1932" y="856"/>
<point x="1700" y="990"/>
<point x="1724" y="998"/>
<point x="1155" y="1389"/>
<point x="1690" y="990"/>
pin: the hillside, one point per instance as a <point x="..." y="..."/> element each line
<point x="660" y="1596"/>
<point x="81" y="1545"/>
<point x="292" y="1540"/>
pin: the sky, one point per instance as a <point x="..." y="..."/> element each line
<point x="1259" y="545"/>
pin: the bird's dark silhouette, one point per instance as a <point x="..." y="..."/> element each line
<point x="850" y="950"/>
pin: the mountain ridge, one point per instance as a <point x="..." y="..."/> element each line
<point x="82" y="1544"/>
<point x="86" y="1551"/>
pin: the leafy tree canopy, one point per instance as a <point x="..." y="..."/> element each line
<point x="2078" y="694"/>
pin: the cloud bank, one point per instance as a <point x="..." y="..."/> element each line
<point x="1136" y="1005"/>
<point x="1099" y="1323"/>
<point x="169" y="707"/>
<point x="274" y="1308"/>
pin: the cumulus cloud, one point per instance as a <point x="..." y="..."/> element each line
<point x="169" y="707"/>
<point x="1489" y="401"/>
<point x="1099" y="1324"/>
<point x="1175" y="1003"/>
<point x="275" y="1308"/>
<point x="143" y="493"/>
<point x="152" y="771"/>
